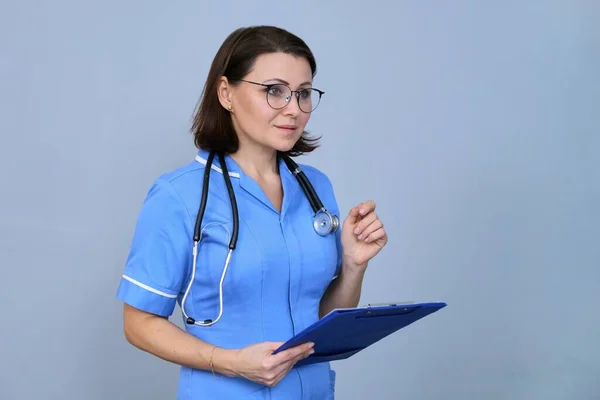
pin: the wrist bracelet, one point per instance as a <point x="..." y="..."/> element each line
<point x="210" y="362"/>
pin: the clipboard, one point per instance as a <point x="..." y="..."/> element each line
<point x="346" y="331"/>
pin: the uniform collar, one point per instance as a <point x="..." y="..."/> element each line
<point x="289" y="183"/>
<point x="232" y="167"/>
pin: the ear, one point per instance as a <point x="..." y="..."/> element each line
<point x="224" y="92"/>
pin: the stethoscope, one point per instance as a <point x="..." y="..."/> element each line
<point x="324" y="223"/>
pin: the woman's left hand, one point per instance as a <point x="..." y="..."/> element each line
<point x="362" y="234"/>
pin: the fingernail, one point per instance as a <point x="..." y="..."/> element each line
<point x="357" y="230"/>
<point x="367" y="240"/>
<point x="362" y="211"/>
<point x="360" y="237"/>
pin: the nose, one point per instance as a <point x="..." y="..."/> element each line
<point x="292" y="108"/>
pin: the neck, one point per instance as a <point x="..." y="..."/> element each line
<point x="256" y="162"/>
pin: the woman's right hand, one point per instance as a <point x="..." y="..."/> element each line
<point x="258" y="363"/>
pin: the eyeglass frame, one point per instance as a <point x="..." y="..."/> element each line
<point x="270" y="85"/>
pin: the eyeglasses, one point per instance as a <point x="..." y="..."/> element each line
<point x="279" y="95"/>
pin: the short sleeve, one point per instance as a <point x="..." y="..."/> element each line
<point x="160" y="253"/>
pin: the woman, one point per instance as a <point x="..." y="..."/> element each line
<point x="241" y="305"/>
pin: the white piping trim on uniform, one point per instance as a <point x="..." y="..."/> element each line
<point x="148" y="288"/>
<point x="213" y="166"/>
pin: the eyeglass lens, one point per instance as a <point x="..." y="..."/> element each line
<point x="278" y="96"/>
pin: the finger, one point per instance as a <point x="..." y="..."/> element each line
<point x="283" y="357"/>
<point x="290" y="364"/>
<point x="272" y="346"/>
<point x="286" y="366"/>
<point x="307" y="351"/>
<point x="364" y="223"/>
<point x="291" y="353"/>
<point x="353" y="214"/>
<point x="375" y="225"/>
<point x="279" y="375"/>
<point x="376" y="235"/>
<point x="283" y="369"/>
<point x="366" y="207"/>
<point x="358" y="212"/>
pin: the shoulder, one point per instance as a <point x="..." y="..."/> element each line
<point x="179" y="177"/>
<point x="322" y="185"/>
<point x="172" y="189"/>
<point x="317" y="177"/>
<point x="179" y="180"/>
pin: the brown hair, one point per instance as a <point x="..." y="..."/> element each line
<point x="212" y="126"/>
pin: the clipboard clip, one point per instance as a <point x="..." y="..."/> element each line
<point x="394" y="304"/>
<point x="375" y="306"/>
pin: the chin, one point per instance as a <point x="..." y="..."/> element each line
<point x="283" y="148"/>
<point x="285" y="145"/>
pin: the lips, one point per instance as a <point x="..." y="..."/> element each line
<point x="289" y="127"/>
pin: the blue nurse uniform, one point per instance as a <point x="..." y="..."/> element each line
<point x="278" y="273"/>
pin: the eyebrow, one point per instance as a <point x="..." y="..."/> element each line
<point x="286" y="82"/>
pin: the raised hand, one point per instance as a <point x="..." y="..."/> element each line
<point x="362" y="235"/>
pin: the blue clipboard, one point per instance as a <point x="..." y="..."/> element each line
<point x="346" y="331"/>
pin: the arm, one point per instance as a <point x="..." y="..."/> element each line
<point x="361" y="238"/>
<point x="158" y="336"/>
<point x="156" y="269"/>
<point x="344" y="291"/>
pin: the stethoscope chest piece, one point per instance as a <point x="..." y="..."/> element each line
<point x="325" y="223"/>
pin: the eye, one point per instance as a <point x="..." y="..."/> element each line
<point x="275" y="91"/>
<point x="304" y="93"/>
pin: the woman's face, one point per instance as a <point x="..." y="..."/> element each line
<point x="257" y="122"/>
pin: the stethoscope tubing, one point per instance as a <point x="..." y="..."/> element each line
<point x="315" y="203"/>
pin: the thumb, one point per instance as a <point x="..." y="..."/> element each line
<point x="353" y="215"/>
<point x="272" y="346"/>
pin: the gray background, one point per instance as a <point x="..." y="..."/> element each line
<point x="474" y="125"/>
